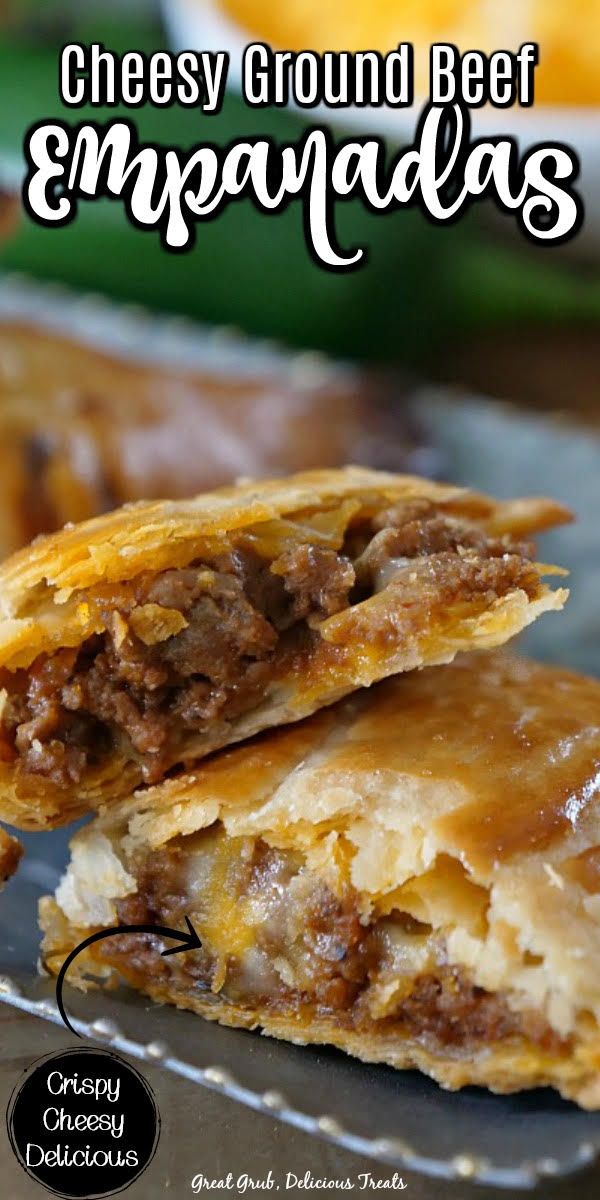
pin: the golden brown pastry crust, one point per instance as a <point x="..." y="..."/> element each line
<point x="422" y="795"/>
<point x="47" y="601"/>
<point x="154" y="535"/>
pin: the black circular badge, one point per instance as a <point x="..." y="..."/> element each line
<point x="83" y="1123"/>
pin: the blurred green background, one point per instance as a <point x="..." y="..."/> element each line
<point x="424" y="291"/>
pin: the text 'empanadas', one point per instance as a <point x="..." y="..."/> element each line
<point x="412" y="875"/>
<point x="148" y="638"/>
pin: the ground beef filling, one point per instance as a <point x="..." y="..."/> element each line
<point x="241" y="619"/>
<point x="307" y="952"/>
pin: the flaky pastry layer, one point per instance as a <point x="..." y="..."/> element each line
<point x="146" y="639"/>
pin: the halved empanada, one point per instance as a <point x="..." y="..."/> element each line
<point x="148" y="638"/>
<point x="412" y="875"/>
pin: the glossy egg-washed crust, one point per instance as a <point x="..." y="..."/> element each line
<point x="47" y="601"/>
<point x="493" y="764"/>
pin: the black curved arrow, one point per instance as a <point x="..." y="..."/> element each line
<point x="190" y="940"/>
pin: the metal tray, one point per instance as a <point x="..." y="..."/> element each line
<point x="401" y="1119"/>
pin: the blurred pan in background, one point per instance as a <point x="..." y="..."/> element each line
<point x="83" y="430"/>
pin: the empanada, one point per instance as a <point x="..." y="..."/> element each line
<point x="143" y="640"/>
<point x="83" y="431"/>
<point x="412" y="875"/>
